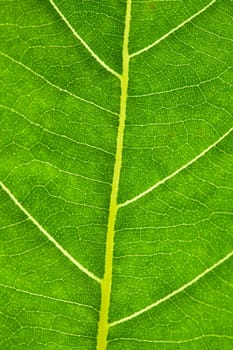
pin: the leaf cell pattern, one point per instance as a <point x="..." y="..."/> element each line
<point x="116" y="174"/>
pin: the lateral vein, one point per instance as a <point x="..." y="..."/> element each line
<point x="181" y="341"/>
<point x="173" y="30"/>
<point x="38" y="75"/>
<point x="49" y="237"/>
<point x="23" y="291"/>
<point x="200" y="155"/>
<point x="93" y="54"/>
<point x="62" y="136"/>
<point x="106" y="283"/>
<point x="175" y="292"/>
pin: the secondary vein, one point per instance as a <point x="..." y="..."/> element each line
<point x="183" y="167"/>
<point x="173" y="30"/>
<point x="175" y="292"/>
<point x="93" y="54"/>
<point x="106" y="283"/>
<point x="49" y="237"/>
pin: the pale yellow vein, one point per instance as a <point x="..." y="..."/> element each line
<point x="49" y="237"/>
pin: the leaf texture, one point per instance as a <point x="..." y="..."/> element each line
<point x="116" y="174"/>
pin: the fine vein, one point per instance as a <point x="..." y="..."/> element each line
<point x="93" y="54"/>
<point x="175" y="292"/>
<point x="173" y="30"/>
<point x="62" y="136"/>
<point x="33" y="294"/>
<point x="38" y="75"/>
<point x="50" y="238"/>
<point x="200" y="155"/>
<point x="107" y="280"/>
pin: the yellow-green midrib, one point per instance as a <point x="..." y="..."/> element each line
<point x="106" y="283"/>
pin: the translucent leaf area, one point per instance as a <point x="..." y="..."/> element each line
<point x="116" y="175"/>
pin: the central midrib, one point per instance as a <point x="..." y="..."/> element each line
<point x="106" y="283"/>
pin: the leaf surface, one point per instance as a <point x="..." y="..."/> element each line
<point x="116" y="174"/>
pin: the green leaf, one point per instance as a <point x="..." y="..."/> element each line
<point x="116" y="174"/>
